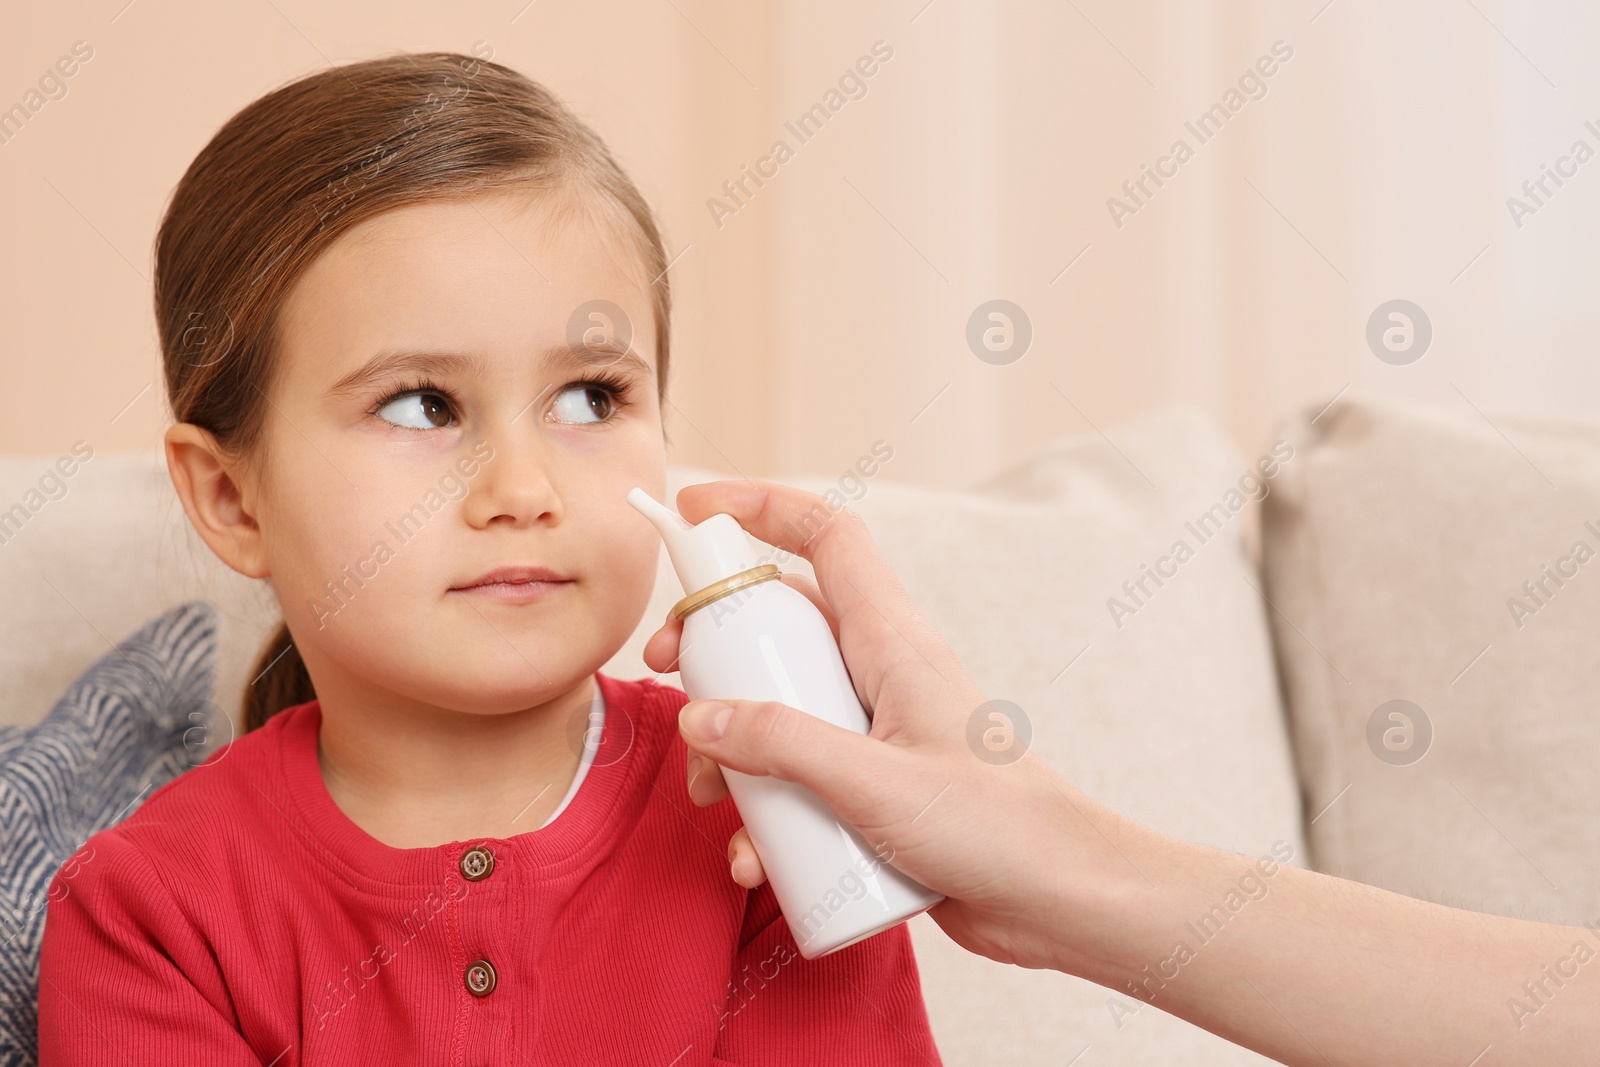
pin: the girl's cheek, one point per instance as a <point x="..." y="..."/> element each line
<point x="328" y="538"/>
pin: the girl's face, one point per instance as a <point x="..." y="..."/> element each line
<point x="432" y="422"/>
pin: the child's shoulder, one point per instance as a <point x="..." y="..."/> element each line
<point x="653" y="704"/>
<point x="217" y="791"/>
<point x="646" y="696"/>
<point x="647" y="687"/>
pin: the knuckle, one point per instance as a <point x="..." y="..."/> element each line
<point x="850" y="519"/>
<point x="841" y="524"/>
<point x="773" y="725"/>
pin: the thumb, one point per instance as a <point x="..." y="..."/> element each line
<point x="771" y="738"/>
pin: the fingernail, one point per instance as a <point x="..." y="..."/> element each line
<point x="705" y="720"/>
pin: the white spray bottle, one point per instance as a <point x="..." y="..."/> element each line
<point x="747" y="636"/>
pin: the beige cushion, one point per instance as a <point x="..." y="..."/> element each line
<point x="1394" y="548"/>
<point x="1172" y="717"/>
<point x="93" y="565"/>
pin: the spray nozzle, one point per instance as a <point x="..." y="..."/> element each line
<point x="702" y="555"/>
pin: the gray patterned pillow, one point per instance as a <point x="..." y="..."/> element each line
<point x="138" y="718"/>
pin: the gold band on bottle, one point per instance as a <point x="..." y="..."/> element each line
<point x="728" y="586"/>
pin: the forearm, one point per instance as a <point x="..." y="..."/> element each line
<point x="1315" y="970"/>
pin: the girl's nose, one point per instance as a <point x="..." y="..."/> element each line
<point x="514" y="488"/>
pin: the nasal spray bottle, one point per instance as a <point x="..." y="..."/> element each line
<point x="747" y="636"/>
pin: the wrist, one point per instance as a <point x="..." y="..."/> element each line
<point x="1116" y="892"/>
<point x="1072" y="889"/>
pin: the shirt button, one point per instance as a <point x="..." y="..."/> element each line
<point x="480" y="978"/>
<point x="477" y="863"/>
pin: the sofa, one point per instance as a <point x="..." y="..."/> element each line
<point x="1371" y="645"/>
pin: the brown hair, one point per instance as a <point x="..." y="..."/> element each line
<point x="286" y="176"/>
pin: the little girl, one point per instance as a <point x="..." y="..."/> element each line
<point x="414" y="321"/>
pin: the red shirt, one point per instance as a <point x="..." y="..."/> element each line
<point x="239" y="917"/>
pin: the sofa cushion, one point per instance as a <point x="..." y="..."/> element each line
<point x="1166" y="709"/>
<point x="141" y="715"/>
<point x="99" y="551"/>
<point x="1439" y="593"/>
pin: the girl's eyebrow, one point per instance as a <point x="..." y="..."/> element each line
<point x="395" y="362"/>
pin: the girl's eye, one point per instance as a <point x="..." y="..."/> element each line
<point x="418" y="411"/>
<point x="586" y="402"/>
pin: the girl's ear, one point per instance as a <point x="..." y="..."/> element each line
<point x="217" y="504"/>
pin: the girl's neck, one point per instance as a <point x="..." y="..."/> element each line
<point x="422" y="777"/>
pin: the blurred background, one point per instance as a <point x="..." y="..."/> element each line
<point x="1337" y="157"/>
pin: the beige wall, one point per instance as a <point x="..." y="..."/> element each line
<point x="830" y="310"/>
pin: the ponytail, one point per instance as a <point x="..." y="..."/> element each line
<point x="281" y="680"/>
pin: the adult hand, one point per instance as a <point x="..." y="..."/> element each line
<point x="978" y="833"/>
<point x="1322" y="970"/>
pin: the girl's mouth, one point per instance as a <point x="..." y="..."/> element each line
<point x="514" y="585"/>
